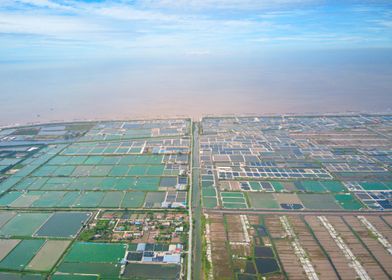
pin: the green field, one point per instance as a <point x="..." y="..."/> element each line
<point x="83" y="252"/>
<point x="48" y="256"/>
<point x="233" y="200"/>
<point x="230" y="205"/>
<point x="94" y="179"/>
<point x="133" y="200"/>
<point x="376" y="186"/>
<point x="90" y="199"/>
<point x="94" y="258"/>
<point x="348" y="202"/>
<point x="24" y="224"/>
<point x="94" y="199"/>
<point x="25" y="200"/>
<point x="48" y="199"/>
<point x="5" y="217"/>
<point x="6" y="246"/>
<point x="21" y="255"/>
<point x="104" y="270"/>
<point x="263" y="200"/>
<point x="8" y="198"/>
<point x="320" y="186"/>
<point x="334" y="186"/>
<point x="255" y="186"/>
<point x="209" y="202"/>
<point x="69" y="199"/>
<point x="112" y="199"/>
<point x="310" y="186"/>
<point x="277" y="186"/>
<point x="154" y="199"/>
<point x="19" y="276"/>
<point x="319" y="201"/>
<point x="209" y="191"/>
<point x="73" y="277"/>
<point x="232" y="194"/>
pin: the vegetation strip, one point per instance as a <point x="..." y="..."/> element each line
<point x="361" y="272"/>
<point x="384" y="242"/>
<point x="298" y="250"/>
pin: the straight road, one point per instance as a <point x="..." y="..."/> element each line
<point x="293" y="212"/>
<point x="196" y="207"/>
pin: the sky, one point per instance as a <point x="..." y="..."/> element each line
<point x="117" y="59"/>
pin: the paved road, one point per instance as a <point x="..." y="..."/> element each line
<point x="293" y="212"/>
<point x="197" y="211"/>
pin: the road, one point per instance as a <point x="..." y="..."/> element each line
<point x="293" y="212"/>
<point x="196" y="207"/>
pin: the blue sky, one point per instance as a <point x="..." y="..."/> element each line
<point x="63" y="29"/>
<point x="67" y="59"/>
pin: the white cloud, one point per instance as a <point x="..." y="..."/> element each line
<point x="197" y="52"/>
<point x="383" y="23"/>
<point x="221" y="4"/>
<point x="311" y="38"/>
<point x="169" y="25"/>
<point x="124" y="12"/>
<point x="58" y="26"/>
<point x="44" y="4"/>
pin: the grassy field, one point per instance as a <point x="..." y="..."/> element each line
<point x="24" y="224"/>
<point x="20" y="276"/>
<point x="49" y="254"/>
<point x="319" y="201"/>
<point x="348" y="202"/>
<point x="103" y="270"/>
<point x="209" y="202"/>
<point x="263" y="200"/>
<point x="21" y="255"/>
<point x="74" y="277"/>
<point x="133" y="199"/>
<point x="83" y="252"/>
<point x="6" y="246"/>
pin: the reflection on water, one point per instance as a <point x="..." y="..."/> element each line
<point x="38" y="92"/>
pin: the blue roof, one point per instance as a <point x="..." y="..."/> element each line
<point x="141" y="247"/>
<point x="175" y="258"/>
